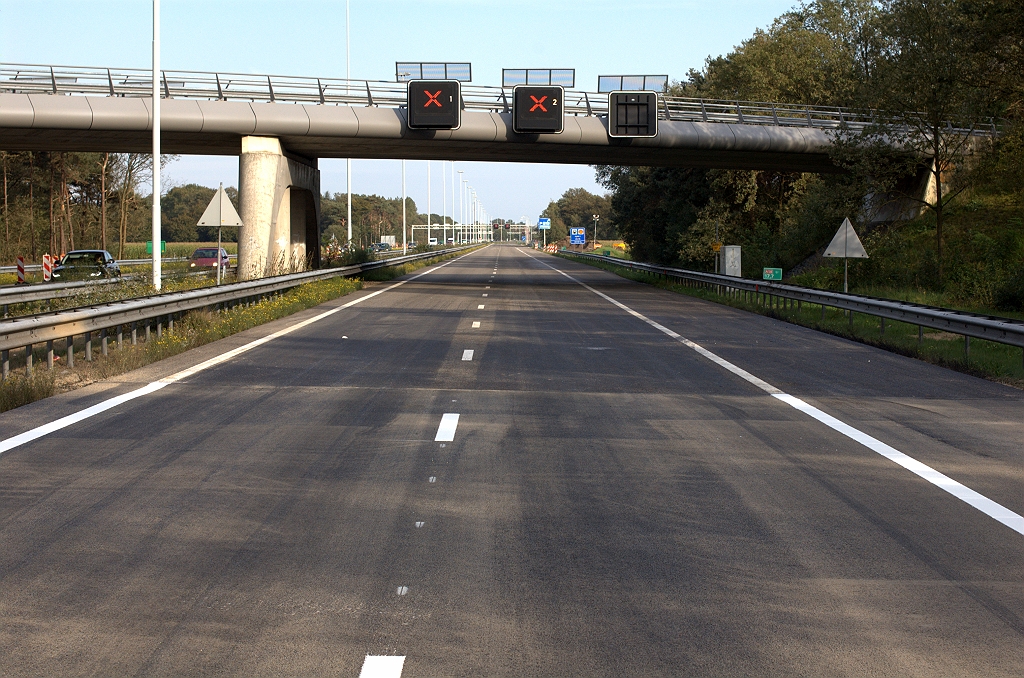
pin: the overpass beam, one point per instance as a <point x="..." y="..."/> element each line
<point x="279" y="201"/>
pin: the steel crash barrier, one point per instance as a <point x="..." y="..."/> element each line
<point x="776" y="295"/>
<point x="153" y="313"/>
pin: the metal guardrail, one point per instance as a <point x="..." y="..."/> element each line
<point x="46" y="328"/>
<point x="990" y="328"/>
<point x="26" y="293"/>
<point x="135" y="82"/>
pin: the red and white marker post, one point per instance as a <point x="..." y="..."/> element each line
<point x="21" y="270"/>
<point x="47" y="268"/>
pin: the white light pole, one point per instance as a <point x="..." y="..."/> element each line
<point x="156" y="145"/>
<point x="405" y="243"/>
<point x="462" y="208"/>
<point x="428" y="202"/>
<point x="348" y="77"/>
<point x="596" y="218"/>
<point x="444" y="205"/>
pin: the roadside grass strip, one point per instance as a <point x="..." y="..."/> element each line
<point x="990" y="508"/>
<point x="45" y="429"/>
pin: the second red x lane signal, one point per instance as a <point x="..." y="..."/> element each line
<point x="537" y="109"/>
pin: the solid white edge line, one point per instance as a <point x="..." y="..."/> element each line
<point x="993" y="509"/>
<point x="63" y="422"/>
<point x="40" y="431"/>
<point x="382" y="666"/>
<point x="446" y="429"/>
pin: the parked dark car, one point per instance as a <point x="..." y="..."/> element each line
<point x="206" y="257"/>
<point x="85" y="265"/>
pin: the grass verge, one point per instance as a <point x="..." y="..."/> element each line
<point x="987" y="359"/>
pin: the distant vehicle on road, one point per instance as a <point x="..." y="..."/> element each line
<point x="85" y="265"/>
<point x="206" y="257"/>
<point x="432" y="241"/>
<point x="380" y="247"/>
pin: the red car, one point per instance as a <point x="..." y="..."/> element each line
<point x="206" y="257"/>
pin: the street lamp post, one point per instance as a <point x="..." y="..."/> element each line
<point x="348" y="79"/>
<point x="462" y="211"/>
<point x="596" y="218"/>
<point x="405" y="243"/>
<point x="156" y="145"/>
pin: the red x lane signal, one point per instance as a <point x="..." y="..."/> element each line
<point x="434" y="104"/>
<point x="537" y="109"/>
<point x="432" y="98"/>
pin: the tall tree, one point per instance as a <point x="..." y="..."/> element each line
<point x="930" y="92"/>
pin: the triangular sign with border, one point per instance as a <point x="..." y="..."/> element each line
<point x="220" y="211"/>
<point x="846" y="244"/>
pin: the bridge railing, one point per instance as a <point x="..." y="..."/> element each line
<point x="129" y="82"/>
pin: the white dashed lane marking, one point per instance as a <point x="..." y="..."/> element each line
<point x="467" y="354"/>
<point x="476" y="324"/>
<point x="446" y="429"/>
<point x="480" y="307"/>
<point x="382" y="666"/>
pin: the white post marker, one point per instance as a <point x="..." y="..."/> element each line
<point x="220" y="212"/>
<point x="446" y="429"/>
<point x="846" y="245"/>
<point x="156" y="145"/>
<point x="382" y="666"/>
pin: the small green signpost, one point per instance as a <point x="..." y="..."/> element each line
<point x="149" y="246"/>
<point x="772" y="274"/>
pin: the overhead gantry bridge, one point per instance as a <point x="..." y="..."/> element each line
<point x="280" y="125"/>
<point x="209" y="113"/>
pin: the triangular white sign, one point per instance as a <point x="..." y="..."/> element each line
<point x="846" y="244"/>
<point x="220" y="211"/>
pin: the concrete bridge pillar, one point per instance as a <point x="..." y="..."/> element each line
<point x="279" y="201"/>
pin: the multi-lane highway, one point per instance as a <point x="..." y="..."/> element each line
<point x="516" y="465"/>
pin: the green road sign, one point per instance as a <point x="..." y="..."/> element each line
<point x="772" y="274"/>
<point x="149" y="246"/>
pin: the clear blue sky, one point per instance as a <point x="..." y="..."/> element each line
<point x="307" y="37"/>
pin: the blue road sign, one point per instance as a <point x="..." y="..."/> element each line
<point x="544" y="224"/>
<point x="522" y="238"/>
<point x="577" y="236"/>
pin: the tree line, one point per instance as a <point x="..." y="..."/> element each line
<point x="54" y="202"/>
<point x="58" y="201"/>
<point x="919" y="69"/>
<point x="577" y="208"/>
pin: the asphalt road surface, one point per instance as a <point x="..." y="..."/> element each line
<point x="584" y="494"/>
